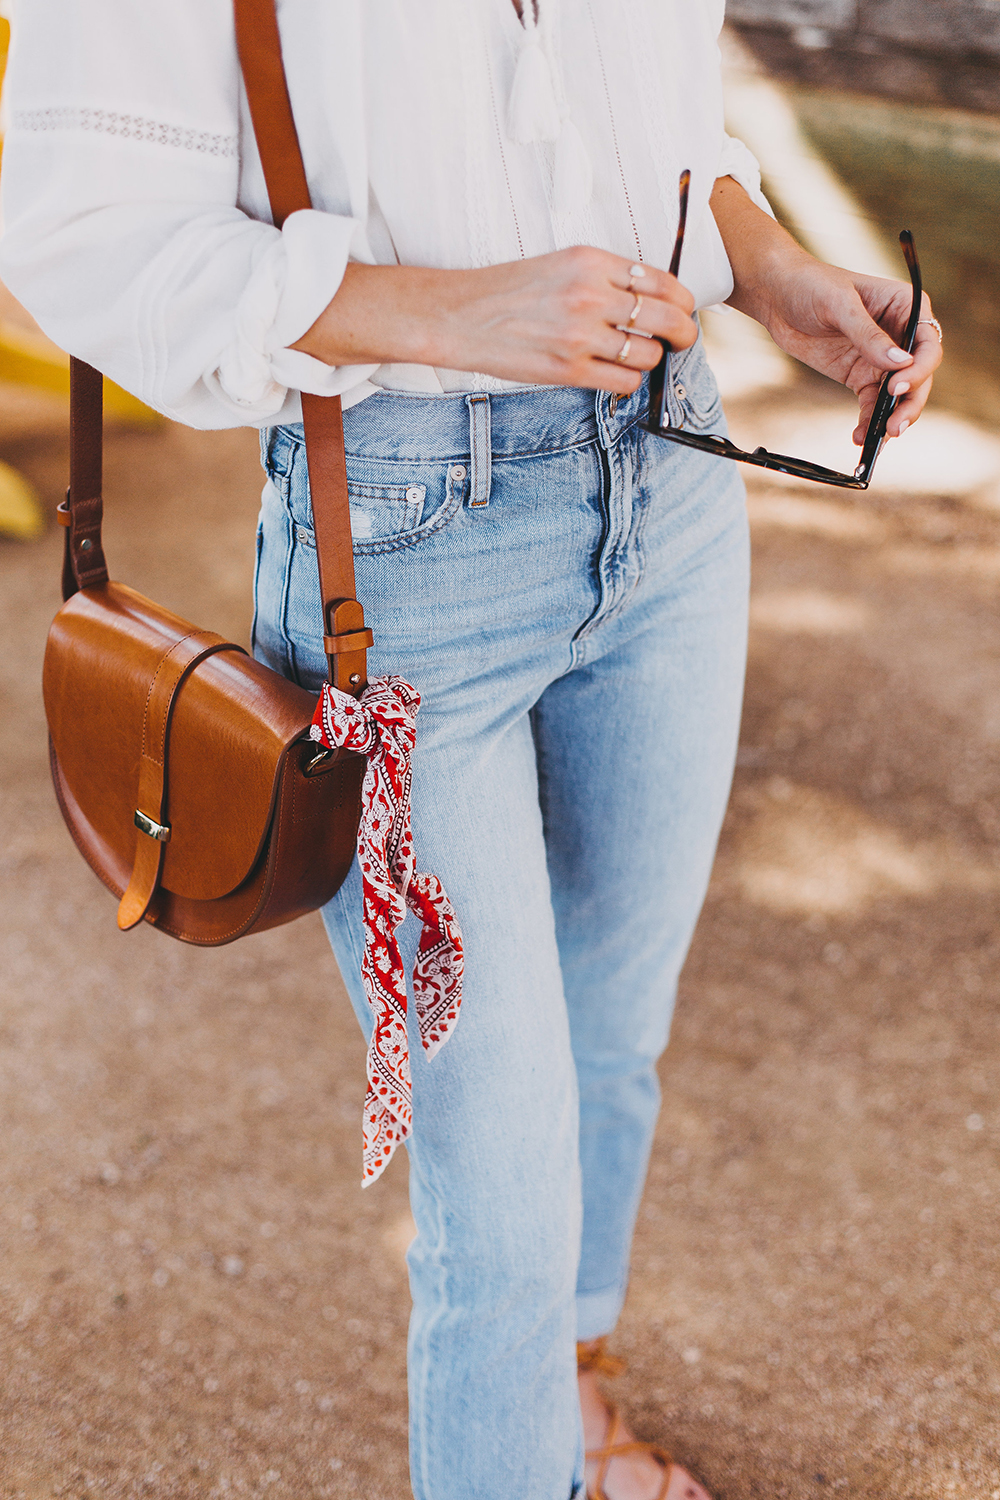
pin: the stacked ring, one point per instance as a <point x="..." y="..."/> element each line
<point x="936" y="326"/>
<point x="622" y="354"/>
<point x="635" y="311"/>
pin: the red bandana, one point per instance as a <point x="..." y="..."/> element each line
<point x="382" y="726"/>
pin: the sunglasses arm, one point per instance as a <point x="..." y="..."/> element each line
<point x="886" y="404"/>
<point x="656" y="416"/>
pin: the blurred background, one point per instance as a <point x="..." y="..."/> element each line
<point x="196" y="1299"/>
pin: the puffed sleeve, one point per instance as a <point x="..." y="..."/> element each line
<point x="127" y="170"/>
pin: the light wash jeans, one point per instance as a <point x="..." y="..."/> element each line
<point x="568" y="594"/>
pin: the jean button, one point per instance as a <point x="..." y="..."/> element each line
<point x="302" y="534"/>
<point x="681" y="392"/>
<point x="457" y="471"/>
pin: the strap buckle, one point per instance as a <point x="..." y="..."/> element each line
<point x="159" y="831"/>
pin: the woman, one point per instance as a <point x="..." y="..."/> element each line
<point x="482" y="278"/>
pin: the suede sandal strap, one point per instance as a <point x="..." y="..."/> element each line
<point x="611" y="1450"/>
<point x="594" y="1356"/>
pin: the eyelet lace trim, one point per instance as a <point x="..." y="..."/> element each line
<point x="128" y="127"/>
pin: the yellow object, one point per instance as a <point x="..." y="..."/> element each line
<point x="27" y="357"/>
<point x="20" y="511"/>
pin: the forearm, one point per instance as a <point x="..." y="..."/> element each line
<point x="760" y="252"/>
<point x="389" y="315"/>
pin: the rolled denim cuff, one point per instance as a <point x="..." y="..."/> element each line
<point x="598" y="1312"/>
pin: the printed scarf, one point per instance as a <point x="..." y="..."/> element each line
<point x="382" y="726"/>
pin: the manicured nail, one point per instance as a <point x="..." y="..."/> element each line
<point x="902" y="388"/>
<point x="902" y="427"/>
<point x="898" y="356"/>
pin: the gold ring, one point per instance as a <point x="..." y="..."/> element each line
<point x="635" y="311"/>
<point x="622" y="354"/>
<point x="936" y="326"/>
<point x="635" y="273"/>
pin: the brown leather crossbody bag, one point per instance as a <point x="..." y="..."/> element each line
<point x="184" y="768"/>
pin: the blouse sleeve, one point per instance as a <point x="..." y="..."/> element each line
<point x="739" y="162"/>
<point x="125" y="167"/>
<point x="736" y="160"/>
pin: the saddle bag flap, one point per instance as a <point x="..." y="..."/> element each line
<point x="232" y="724"/>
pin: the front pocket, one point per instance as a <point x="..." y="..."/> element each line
<point x="386" y="517"/>
<point x="394" y="502"/>
<point x="379" y="511"/>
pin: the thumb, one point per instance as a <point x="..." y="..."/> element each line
<point x="871" y="341"/>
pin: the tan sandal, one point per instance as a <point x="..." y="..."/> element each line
<point x="594" y="1356"/>
<point x="613" y="1450"/>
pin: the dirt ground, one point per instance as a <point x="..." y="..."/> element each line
<point x="196" y="1299"/>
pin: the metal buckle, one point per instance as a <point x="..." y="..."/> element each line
<point x="318" y="763"/>
<point x="160" y="831"/>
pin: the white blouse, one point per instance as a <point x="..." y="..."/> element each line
<point x="435" y="132"/>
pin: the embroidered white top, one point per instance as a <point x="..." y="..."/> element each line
<point x="435" y="132"/>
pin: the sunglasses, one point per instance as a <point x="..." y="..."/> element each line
<point x="657" y="421"/>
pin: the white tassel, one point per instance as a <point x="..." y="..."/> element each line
<point x="532" y="112"/>
<point x="536" y="111"/>
<point x="572" y="173"/>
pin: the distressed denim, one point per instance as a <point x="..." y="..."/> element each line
<point x="569" y="596"/>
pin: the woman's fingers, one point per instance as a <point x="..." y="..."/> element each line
<point x="907" y="410"/>
<point x="914" y="399"/>
<point x="927" y="351"/>
<point x="654" y="319"/>
<point x="659" y="306"/>
<point x="631" y="350"/>
<point x="649" y="281"/>
<point x="874" y="345"/>
<point x="611" y="334"/>
<point x="913" y="382"/>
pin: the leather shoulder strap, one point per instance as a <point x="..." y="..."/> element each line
<point x="344" y="633"/>
<point x="83" y="509"/>
<point x="259" y="45"/>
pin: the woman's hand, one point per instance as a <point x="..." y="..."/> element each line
<point x="842" y="324"/>
<point x="558" y="319"/>
<point x="838" y="323"/>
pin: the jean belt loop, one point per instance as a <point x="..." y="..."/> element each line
<point x="480" y="440"/>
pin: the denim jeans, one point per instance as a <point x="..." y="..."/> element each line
<point x="568" y="594"/>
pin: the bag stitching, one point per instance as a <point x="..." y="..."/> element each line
<point x="160" y="665"/>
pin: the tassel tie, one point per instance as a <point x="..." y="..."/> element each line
<point x="382" y="726"/>
<point x="537" y="111"/>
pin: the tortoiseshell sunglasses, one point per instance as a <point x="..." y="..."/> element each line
<point x="657" y="420"/>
